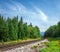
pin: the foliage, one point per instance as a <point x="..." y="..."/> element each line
<point x="33" y="47"/>
<point x="54" y="46"/>
<point x="14" y="29"/>
<point x="53" y="31"/>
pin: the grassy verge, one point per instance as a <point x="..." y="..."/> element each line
<point x="54" y="46"/>
<point x="17" y="41"/>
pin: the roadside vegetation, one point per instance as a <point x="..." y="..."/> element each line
<point x="53" y="35"/>
<point x="17" y="41"/>
<point x="52" y="46"/>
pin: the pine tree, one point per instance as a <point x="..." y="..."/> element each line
<point x="10" y="29"/>
<point x="15" y="27"/>
<point x="2" y="28"/>
<point x="25" y="30"/>
<point x="20" y="29"/>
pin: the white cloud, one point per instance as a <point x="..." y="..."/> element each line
<point x="44" y="17"/>
<point x="41" y="14"/>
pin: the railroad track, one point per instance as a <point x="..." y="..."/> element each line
<point x="8" y="47"/>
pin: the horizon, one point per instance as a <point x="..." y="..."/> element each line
<point x="42" y="13"/>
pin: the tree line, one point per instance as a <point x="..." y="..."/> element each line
<point x="14" y="29"/>
<point x="53" y="31"/>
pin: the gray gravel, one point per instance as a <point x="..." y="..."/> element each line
<point x="27" y="48"/>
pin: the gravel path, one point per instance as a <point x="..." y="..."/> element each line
<point x="28" y="48"/>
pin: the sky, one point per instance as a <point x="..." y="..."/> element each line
<point x="42" y="13"/>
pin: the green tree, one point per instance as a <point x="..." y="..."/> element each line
<point x="20" y="29"/>
<point x="15" y="27"/>
<point x="58" y="26"/>
<point x="26" y="30"/>
<point x="2" y="28"/>
<point x="50" y="31"/>
<point x="53" y="31"/>
<point x="10" y="29"/>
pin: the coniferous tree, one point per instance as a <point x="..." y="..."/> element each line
<point x="10" y="29"/>
<point x="53" y="31"/>
<point x="25" y="30"/>
<point x="15" y="27"/>
<point x="2" y="28"/>
<point x="30" y="30"/>
<point x="20" y="29"/>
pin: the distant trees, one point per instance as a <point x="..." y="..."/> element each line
<point x="12" y="29"/>
<point x="58" y="26"/>
<point x="53" y="31"/>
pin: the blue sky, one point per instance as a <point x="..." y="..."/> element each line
<point x="42" y="13"/>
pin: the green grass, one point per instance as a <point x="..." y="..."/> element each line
<point x="33" y="47"/>
<point x="17" y="41"/>
<point x="53" y="46"/>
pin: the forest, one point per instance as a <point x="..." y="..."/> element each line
<point x="14" y="29"/>
<point x="53" y="31"/>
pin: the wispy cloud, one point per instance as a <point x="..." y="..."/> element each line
<point x="41" y="14"/>
<point x="36" y="16"/>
